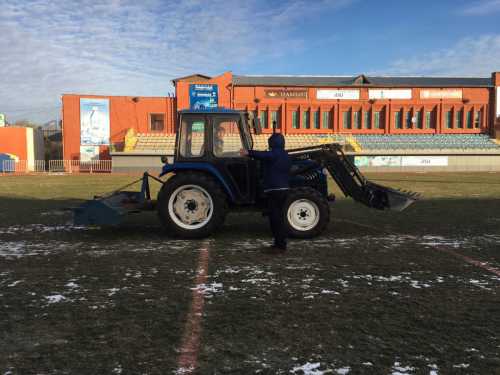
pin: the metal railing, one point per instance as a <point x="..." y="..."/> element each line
<point x="9" y="167"/>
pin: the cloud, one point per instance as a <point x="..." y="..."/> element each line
<point x="480" y="8"/>
<point x="479" y="57"/>
<point x="129" y="47"/>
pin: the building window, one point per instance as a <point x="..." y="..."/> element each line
<point x="357" y="119"/>
<point x="376" y="120"/>
<point x="449" y="119"/>
<point x="316" y="119"/>
<point x="295" y="119"/>
<point x="408" y="120"/>
<point x="157" y="122"/>
<point x="368" y="119"/>
<point x="469" y="119"/>
<point x="398" y="120"/>
<point x="418" y="119"/>
<point x="263" y="119"/>
<point x="428" y="119"/>
<point x="477" y="119"/>
<point x="275" y="118"/>
<point x="346" y="119"/>
<point x="458" y="119"/>
<point x="326" y="120"/>
<point x="306" y="116"/>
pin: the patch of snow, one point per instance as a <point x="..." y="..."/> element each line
<point x="15" y="283"/>
<point x="367" y="364"/>
<point x="72" y="285"/>
<point x="309" y="369"/>
<point x="209" y="289"/>
<point x="398" y="369"/>
<point x="343" y="370"/>
<point x="55" y="298"/>
<point x="327" y="291"/>
<point x="461" y="365"/>
<point x="112" y="291"/>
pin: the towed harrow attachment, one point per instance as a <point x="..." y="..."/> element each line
<point x="351" y="181"/>
<point x="112" y="208"/>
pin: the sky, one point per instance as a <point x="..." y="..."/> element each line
<point x="122" y="47"/>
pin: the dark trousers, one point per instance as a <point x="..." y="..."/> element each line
<point x="276" y="203"/>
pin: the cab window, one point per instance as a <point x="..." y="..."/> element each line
<point x="192" y="137"/>
<point x="226" y="137"/>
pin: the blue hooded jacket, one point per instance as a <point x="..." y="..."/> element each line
<point x="276" y="163"/>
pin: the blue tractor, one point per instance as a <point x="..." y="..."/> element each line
<point x="208" y="178"/>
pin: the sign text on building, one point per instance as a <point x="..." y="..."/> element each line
<point x="286" y="93"/>
<point x="441" y="94"/>
<point x="337" y="94"/>
<point x="389" y="94"/>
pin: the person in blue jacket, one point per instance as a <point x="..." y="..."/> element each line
<point x="277" y="165"/>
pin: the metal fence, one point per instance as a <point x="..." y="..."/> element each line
<point x="9" y="167"/>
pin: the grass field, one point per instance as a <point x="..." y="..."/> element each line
<point x="416" y="292"/>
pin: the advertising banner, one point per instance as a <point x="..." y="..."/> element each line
<point x="441" y="94"/>
<point x="203" y="96"/>
<point x="424" y="161"/>
<point x="89" y="153"/>
<point x="286" y="93"/>
<point x="94" y="122"/>
<point x="389" y="94"/>
<point x="377" y="161"/>
<point x="2" y="120"/>
<point x="337" y="94"/>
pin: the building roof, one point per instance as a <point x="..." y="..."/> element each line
<point x="361" y="80"/>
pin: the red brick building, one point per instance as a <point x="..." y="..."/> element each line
<point x="309" y="105"/>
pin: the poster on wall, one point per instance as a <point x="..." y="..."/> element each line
<point x="2" y="120"/>
<point x="94" y="121"/>
<point x="203" y="96"/>
<point x="89" y="153"/>
<point x="337" y="94"/>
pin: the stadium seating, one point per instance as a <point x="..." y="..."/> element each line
<point x="165" y="142"/>
<point x="426" y="142"/>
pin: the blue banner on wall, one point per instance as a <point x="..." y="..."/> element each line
<point x="203" y="96"/>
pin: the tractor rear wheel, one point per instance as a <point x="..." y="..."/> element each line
<point x="191" y="205"/>
<point x="307" y="213"/>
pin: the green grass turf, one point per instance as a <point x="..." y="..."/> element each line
<point x="374" y="295"/>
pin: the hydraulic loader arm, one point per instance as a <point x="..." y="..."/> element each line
<point x="351" y="181"/>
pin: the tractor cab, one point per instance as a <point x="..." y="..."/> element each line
<point x="210" y="140"/>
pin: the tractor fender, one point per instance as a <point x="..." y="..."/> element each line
<point x="201" y="167"/>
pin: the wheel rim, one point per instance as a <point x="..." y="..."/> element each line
<point x="303" y="215"/>
<point x="190" y="207"/>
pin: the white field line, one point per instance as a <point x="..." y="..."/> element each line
<point x="190" y="345"/>
<point x="477" y="263"/>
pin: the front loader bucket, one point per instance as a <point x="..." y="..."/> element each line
<point x="386" y="198"/>
<point x="108" y="210"/>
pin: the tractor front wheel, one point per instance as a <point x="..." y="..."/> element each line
<point x="191" y="205"/>
<point x="307" y="213"/>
